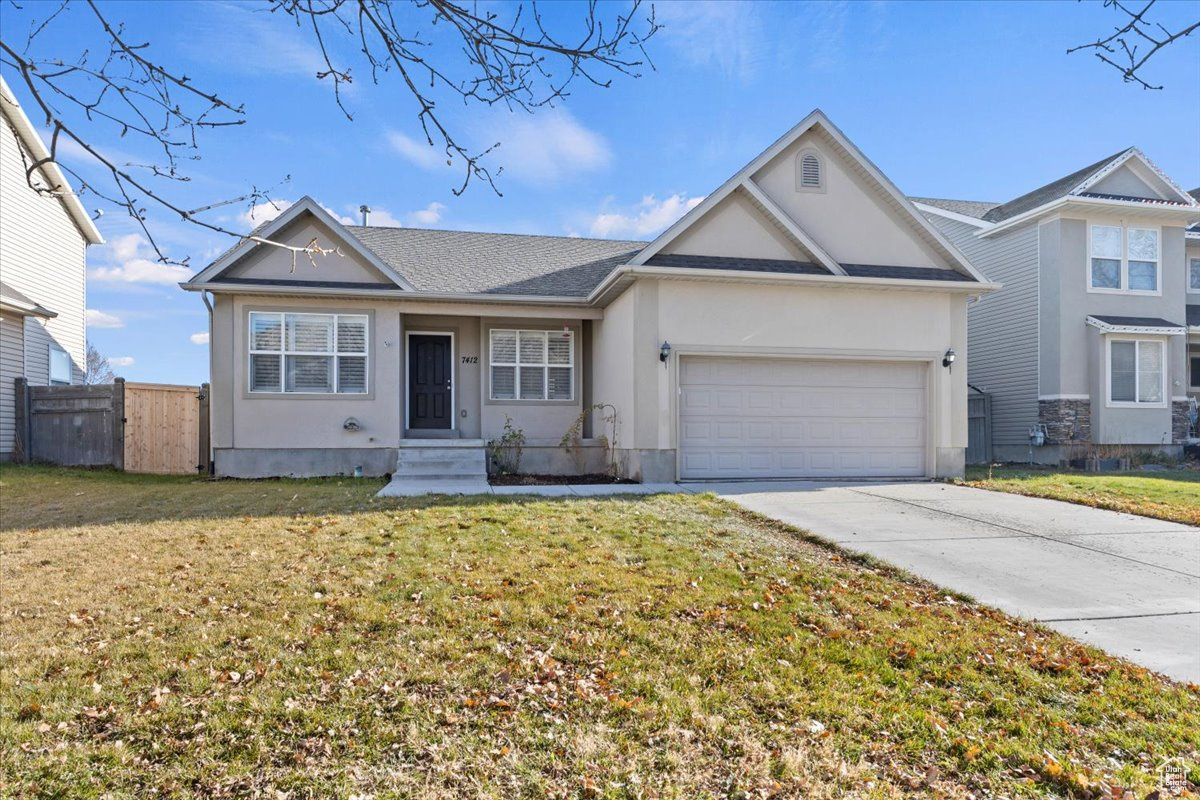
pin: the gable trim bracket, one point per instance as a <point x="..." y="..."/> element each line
<point x="780" y="218"/>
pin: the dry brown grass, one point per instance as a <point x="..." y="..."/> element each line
<point x="174" y="637"/>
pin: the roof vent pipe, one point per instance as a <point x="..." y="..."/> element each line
<point x="365" y="211"/>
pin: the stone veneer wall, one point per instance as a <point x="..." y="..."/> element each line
<point x="1179" y="421"/>
<point x="1067" y="421"/>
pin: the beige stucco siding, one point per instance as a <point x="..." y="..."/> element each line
<point x="711" y="318"/>
<point x="42" y="256"/>
<point x="276" y="263"/>
<point x="242" y="419"/>
<point x="848" y="218"/>
<point x="735" y="229"/>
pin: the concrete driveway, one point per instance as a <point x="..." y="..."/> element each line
<point x="1127" y="584"/>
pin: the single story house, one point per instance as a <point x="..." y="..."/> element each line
<point x="803" y="321"/>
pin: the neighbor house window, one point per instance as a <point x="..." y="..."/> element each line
<point x="1194" y="275"/>
<point x="532" y="365"/>
<point x="60" y="367"/>
<point x="308" y="353"/>
<point x="1123" y="259"/>
<point x="1136" y="372"/>
<point x="1195" y="367"/>
<point x="810" y="173"/>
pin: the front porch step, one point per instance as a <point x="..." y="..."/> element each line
<point x="462" y="458"/>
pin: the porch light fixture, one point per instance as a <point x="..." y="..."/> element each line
<point x="948" y="359"/>
<point x="664" y="352"/>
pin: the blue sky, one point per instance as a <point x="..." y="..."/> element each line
<point x="965" y="100"/>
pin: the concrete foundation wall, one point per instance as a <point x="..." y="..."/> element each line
<point x="303" y="462"/>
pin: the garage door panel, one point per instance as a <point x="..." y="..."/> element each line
<point x="770" y="417"/>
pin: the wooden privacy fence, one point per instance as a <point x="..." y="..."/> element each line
<point x="137" y="427"/>
<point x="979" y="428"/>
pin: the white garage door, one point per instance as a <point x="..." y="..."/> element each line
<point x="787" y="418"/>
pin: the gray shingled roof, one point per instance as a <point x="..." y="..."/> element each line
<point x="1051" y="191"/>
<point x="496" y="263"/>
<point x="968" y="208"/>
<point x="743" y="264"/>
<point x="1137" y="322"/>
<point x="804" y="268"/>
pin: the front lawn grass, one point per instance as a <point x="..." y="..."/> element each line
<point x="1171" y="494"/>
<point x="179" y="637"/>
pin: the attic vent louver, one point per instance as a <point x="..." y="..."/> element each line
<point x="808" y="171"/>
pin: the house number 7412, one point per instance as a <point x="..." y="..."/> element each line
<point x="470" y="359"/>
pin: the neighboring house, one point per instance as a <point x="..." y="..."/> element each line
<point x="1192" y="248"/>
<point x="43" y="238"/>
<point x="1088" y="340"/>
<point x="796" y="323"/>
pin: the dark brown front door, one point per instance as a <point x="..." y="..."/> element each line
<point x="429" y="382"/>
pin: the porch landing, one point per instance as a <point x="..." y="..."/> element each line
<point x="438" y="466"/>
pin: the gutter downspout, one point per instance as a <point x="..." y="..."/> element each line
<point x="207" y="304"/>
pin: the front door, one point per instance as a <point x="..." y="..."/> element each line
<point x="429" y="382"/>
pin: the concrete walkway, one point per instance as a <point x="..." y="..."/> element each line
<point x="1127" y="584"/>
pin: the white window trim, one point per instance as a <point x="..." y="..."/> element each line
<point x="1137" y="379"/>
<point x="1124" y="288"/>
<point x="284" y="353"/>
<point x="546" y="365"/>
<point x="1193" y="263"/>
<point x="51" y="349"/>
<point x="810" y="151"/>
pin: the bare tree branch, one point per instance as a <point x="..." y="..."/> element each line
<point x="118" y="86"/>
<point x="1133" y="43"/>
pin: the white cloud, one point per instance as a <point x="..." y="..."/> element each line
<point x="100" y="319"/>
<point x="419" y="152"/>
<point x="429" y="215"/>
<point x="262" y="212"/>
<point x="646" y="218"/>
<point x="728" y="36"/>
<point x="130" y="259"/>
<point x="546" y="147"/>
<point x="199" y="338"/>
<point x="121" y="361"/>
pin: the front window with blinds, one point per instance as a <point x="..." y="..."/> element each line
<point x="532" y="365"/>
<point x="308" y="353"/>
<point x="1136" y="372"/>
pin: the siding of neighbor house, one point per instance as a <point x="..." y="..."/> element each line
<point x="1003" y="326"/>
<point x="12" y="366"/>
<point x="42" y="256"/>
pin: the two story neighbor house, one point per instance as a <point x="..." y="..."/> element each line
<point x="1087" y="343"/>
<point x="43" y="239"/>
<point x="804" y="320"/>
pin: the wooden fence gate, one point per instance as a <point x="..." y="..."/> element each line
<point x="137" y="427"/>
<point x="979" y="428"/>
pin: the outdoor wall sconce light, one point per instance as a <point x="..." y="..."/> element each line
<point x="948" y="359"/>
<point x="664" y="352"/>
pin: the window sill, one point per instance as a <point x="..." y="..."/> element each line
<point x="1120" y="404"/>
<point x="1135" y="292"/>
